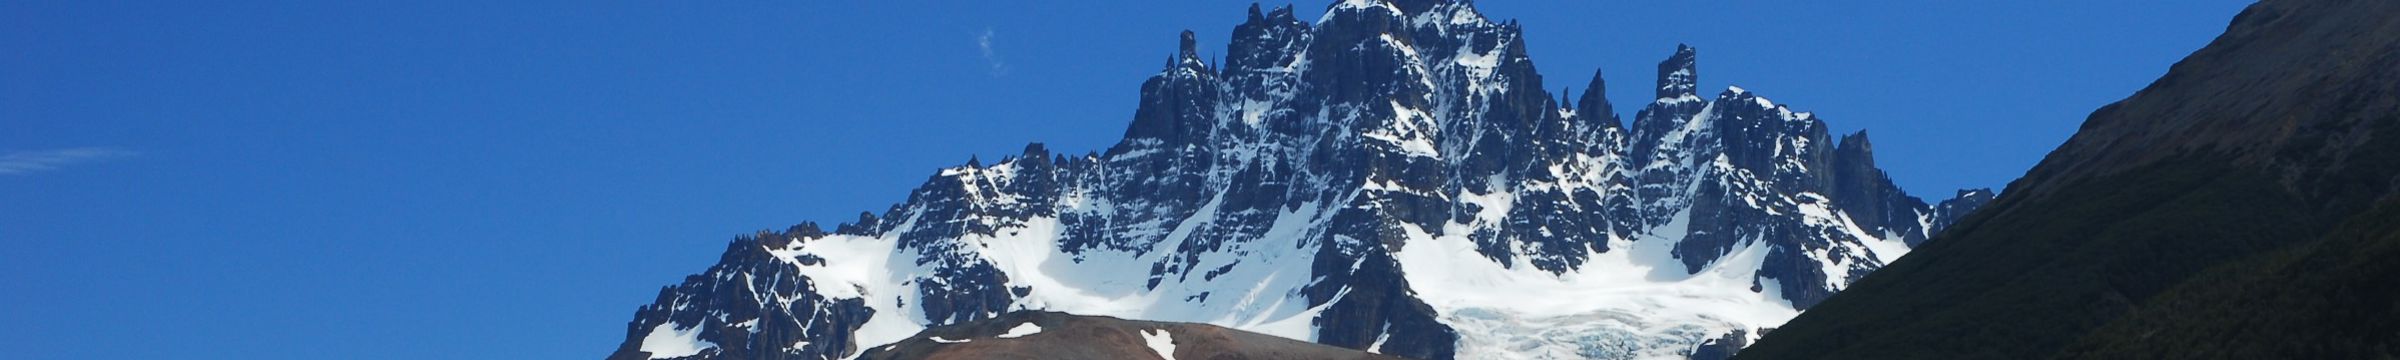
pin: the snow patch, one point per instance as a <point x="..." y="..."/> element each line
<point x="1160" y="342"/>
<point x="1404" y="133"/>
<point x="669" y="341"/>
<point x="1021" y="331"/>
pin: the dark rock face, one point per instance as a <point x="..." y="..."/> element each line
<point x="1958" y="207"/>
<point x="2242" y="206"/>
<point x="1723" y="347"/>
<point x="1286" y="183"/>
<point x="752" y="307"/>
<point x="1379" y="299"/>
<point x="1877" y="205"/>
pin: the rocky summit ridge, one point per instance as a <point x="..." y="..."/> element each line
<point x="1392" y="177"/>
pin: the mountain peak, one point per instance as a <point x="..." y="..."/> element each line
<point x="1187" y="54"/>
<point x="1189" y="45"/>
<point x="1361" y="175"/>
<point x="1035" y="150"/>
<point x="1856" y="144"/>
<point x="1594" y="103"/>
<point x="1278" y="14"/>
<point x="1679" y="75"/>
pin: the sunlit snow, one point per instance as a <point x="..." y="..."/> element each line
<point x="1021" y="330"/>
<point x="1160" y="342"/>
<point x="667" y="341"/>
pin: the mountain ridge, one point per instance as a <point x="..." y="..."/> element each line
<point x="1292" y="189"/>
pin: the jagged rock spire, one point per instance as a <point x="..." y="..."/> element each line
<point x="1677" y="101"/>
<point x="1594" y="104"/>
<point x="1679" y="75"/>
<point x="1855" y="149"/>
<point x="1035" y="151"/>
<point x="1189" y="46"/>
<point x="1278" y="14"/>
<point x="1187" y="54"/>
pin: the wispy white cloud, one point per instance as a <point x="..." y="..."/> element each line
<point x="990" y="56"/>
<point x="27" y="162"/>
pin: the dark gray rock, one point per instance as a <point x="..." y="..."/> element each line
<point x="1422" y="117"/>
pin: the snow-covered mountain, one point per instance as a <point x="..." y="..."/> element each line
<point x="1392" y="177"/>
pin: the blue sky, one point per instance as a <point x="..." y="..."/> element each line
<point x="389" y="180"/>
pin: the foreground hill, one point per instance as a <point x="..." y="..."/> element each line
<point x="2240" y="207"/>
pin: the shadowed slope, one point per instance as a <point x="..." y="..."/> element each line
<point x="2238" y="207"/>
